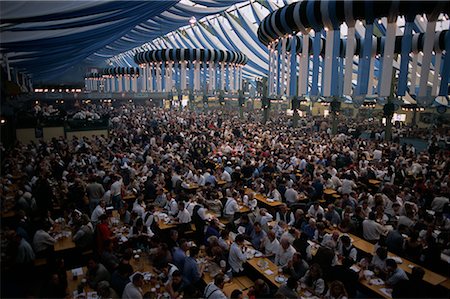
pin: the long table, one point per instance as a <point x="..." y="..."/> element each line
<point x="430" y="276"/>
<point x="255" y="264"/>
<point x="263" y="199"/>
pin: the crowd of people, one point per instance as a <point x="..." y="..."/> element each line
<point x="155" y="156"/>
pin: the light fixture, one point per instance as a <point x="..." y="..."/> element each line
<point x="192" y="20"/>
<point x="3" y="121"/>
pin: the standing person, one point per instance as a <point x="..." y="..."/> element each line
<point x="231" y="207"/>
<point x="214" y="289"/>
<point x="116" y="192"/>
<point x="199" y="219"/>
<point x="95" y="192"/>
<point x="237" y="257"/>
<point x="192" y="272"/>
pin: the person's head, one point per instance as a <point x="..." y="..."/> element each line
<point x="417" y="273"/>
<point x="103" y="289"/>
<point x="245" y="219"/>
<point x="297" y="257"/>
<point x="236" y="294"/>
<point x="284" y="242"/>
<point x="174" y="234"/>
<point x="125" y="270"/>
<point x="103" y="218"/>
<point x="55" y="279"/>
<point x="372" y="216"/>
<point x="180" y="206"/>
<point x="292" y="283"/>
<point x="312" y="222"/>
<point x="271" y="235"/>
<point x="239" y="239"/>
<point x="299" y="214"/>
<point x="194" y="251"/>
<point x="260" y="286"/>
<point x="257" y="227"/>
<point x="109" y="245"/>
<point x="138" y="280"/>
<point x="346" y="216"/>
<point x="331" y="208"/>
<point x="283" y="208"/>
<point x="346" y="241"/>
<point x="177" y="277"/>
<point x="391" y="265"/>
<point x="219" y="280"/>
<point x="315" y="271"/>
<point x="381" y="253"/>
<point x="92" y="264"/>
<point x="337" y="289"/>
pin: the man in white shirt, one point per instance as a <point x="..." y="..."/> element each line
<point x="231" y="207"/>
<point x="183" y="214"/>
<point x="172" y="206"/>
<point x="264" y="218"/>
<point x="225" y="176"/>
<point x="237" y="257"/>
<point x="372" y="230"/>
<point x="270" y="245"/>
<point x="139" y="207"/>
<point x="133" y="290"/>
<point x="99" y="210"/>
<point x="42" y="241"/>
<point x="291" y="194"/>
<point x="284" y="254"/>
<point x="315" y="209"/>
<point x="274" y="194"/>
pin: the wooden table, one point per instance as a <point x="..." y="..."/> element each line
<point x="374" y="182"/>
<point x="329" y="191"/>
<point x="221" y="182"/>
<point x="446" y="284"/>
<point x="261" y="198"/>
<point x="72" y="284"/>
<point x="430" y="276"/>
<point x="270" y="266"/>
<point x="64" y="243"/>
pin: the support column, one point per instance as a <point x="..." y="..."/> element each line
<point x="183" y="76"/>
<point x="222" y="76"/>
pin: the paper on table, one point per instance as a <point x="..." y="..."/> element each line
<point x="268" y="272"/>
<point x="387" y="292"/>
<point x="355" y="268"/>
<point x="77" y="271"/>
<point x="376" y="281"/>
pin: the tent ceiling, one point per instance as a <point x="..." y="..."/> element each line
<point x="46" y="38"/>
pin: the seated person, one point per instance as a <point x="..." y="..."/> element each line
<point x="415" y="287"/>
<point x="394" y="274"/>
<point x="96" y="272"/>
<point x="257" y="236"/>
<point x="176" y="286"/>
<point x="313" y="280"/>
<point x="270" y="245"/>
<point x="296" y="267"/>
<point x="289" y="289"/>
